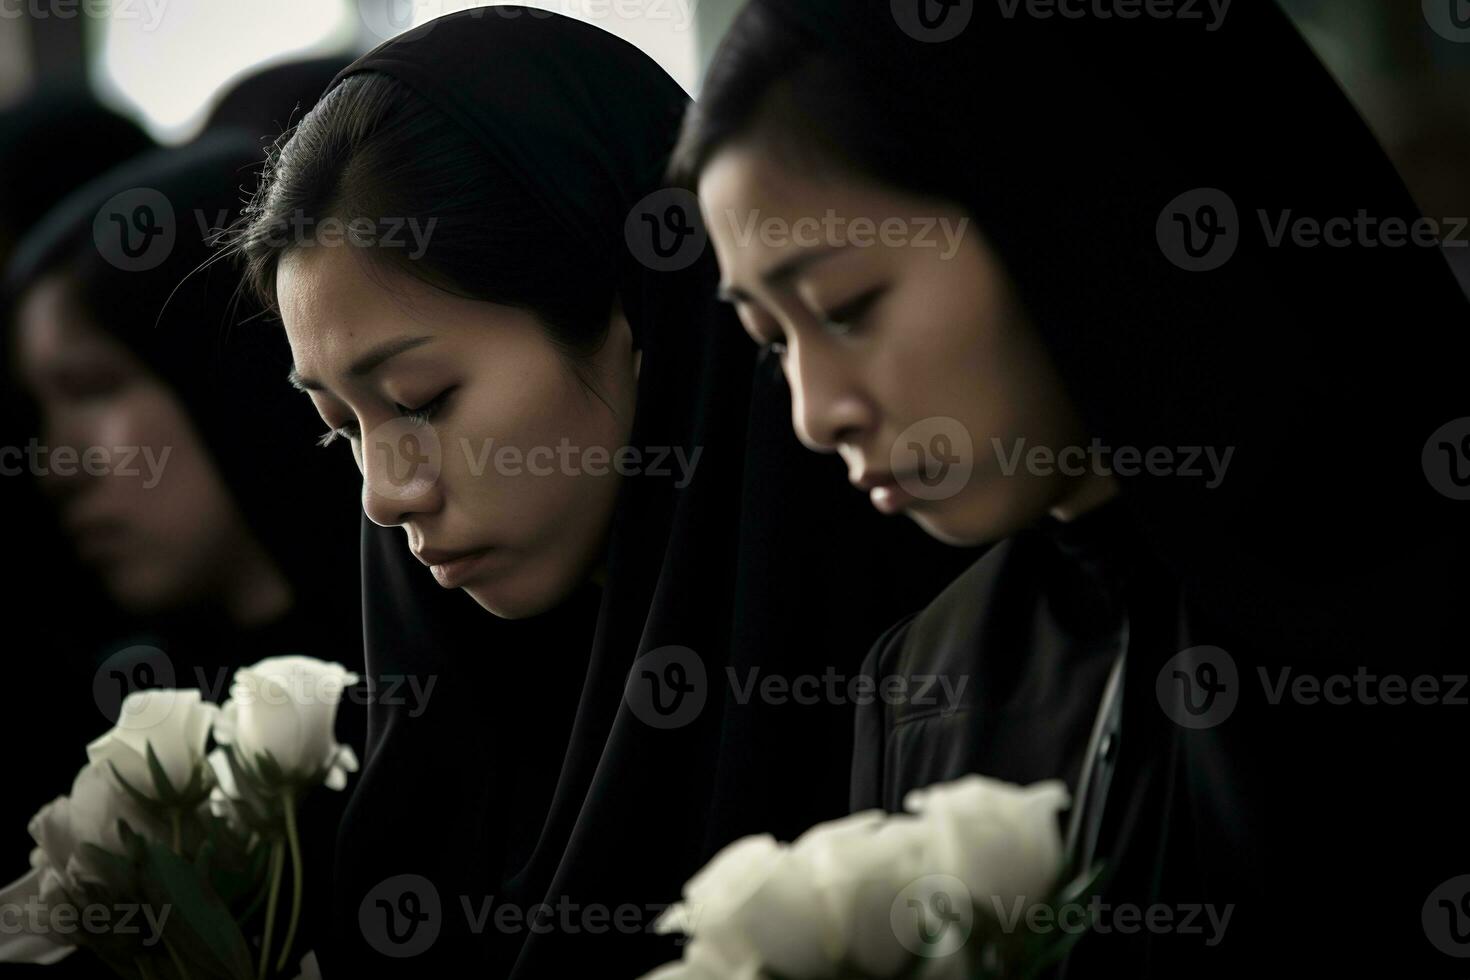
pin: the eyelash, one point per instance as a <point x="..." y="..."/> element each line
<point x="847" y="316"/>
<point x="850" y="314"/>
<point x="419" y="416"/>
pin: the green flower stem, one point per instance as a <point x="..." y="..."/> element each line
<point x="176" y="816"/>
<point x="144" y="970"/>
<point x="297" y="873"/>
<point x="178" y="963"/>
<point x="278" y="859"/>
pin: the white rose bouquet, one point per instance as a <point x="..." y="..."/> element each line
<point x="167" y="862"/>
<point x="938" y="892"/>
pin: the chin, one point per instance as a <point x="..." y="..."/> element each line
<point x="951" y="532"/>
<point x="515" y="597"/>
<point x="971" y="521"/>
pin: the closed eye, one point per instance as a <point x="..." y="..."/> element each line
<point x="848" y="316"/>
<point x="347" y="431"/>
<point x="428" y="410"/>
<point x="418" y="416"/>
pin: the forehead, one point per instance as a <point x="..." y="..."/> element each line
<point x="334" y="302"/>
<point x="51" y="320"/>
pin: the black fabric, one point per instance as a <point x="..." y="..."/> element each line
<point x="230" y="380"/>
<point x="51" y="142"/>
<point x="1326" y="550"/>
<point x="1044" y="609"/>
<point x="267" y="103"/>
<point x="528" y="778"/>
<point x="188" y="321"/>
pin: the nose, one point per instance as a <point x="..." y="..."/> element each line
<point x="400" y="474"/>
<point x="64" y="430"/>
<point x="828" y="405"/>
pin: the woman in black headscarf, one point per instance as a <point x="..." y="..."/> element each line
<point x="1219" y="464"/>
<point x="609" y="722"/>
<point x="196" y="531"/>
<point x="50" y="143"/>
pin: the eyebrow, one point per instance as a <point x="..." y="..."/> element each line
<point x="782" y="272"/>
<point x="366" y="364"/>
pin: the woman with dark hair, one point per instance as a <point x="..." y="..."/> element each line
<point x="50" y="143"/>
<point x="1049" y="283"/>
<point x="520" y="345"/>
<point x="162" y="448"/>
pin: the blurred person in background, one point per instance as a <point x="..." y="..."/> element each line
<point x="51" y="143"/>
<point x="163" y="442"/>
<point x="266" y="103"/>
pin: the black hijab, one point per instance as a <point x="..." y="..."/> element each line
<point x="529" y="777"/>
<point x="265" y="103"/>
<point x="1330" y="547"/>
<point x="173" y="309"/>
<point x="174" y="305"/>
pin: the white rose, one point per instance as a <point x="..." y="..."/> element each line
<point x="702" y="961"/>
<point x="812" y="910"/>
<point x="1002" y="840"/>
<point x="286" y="708"/>
<point x="714" y="895"/>
<point x="59" y="863"/>
<point x="175" y="723"/>
<point x="857" y="866"/>
<point x="309" y="968"/>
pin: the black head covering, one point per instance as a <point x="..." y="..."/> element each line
<point x="50" y="143"/>
<point x="529" y="778"/>
<point x="173" y="307"/>
<point x="265" y="103"/>
<point x="172" y="304"/>
<point x="1328" y="549"/>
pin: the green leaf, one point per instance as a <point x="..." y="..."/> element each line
<point x="166" y="791"/>
<point x="199" y="925"/>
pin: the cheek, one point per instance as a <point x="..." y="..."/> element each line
<point x="189" y="497"/>
<point x="517" y="445"/>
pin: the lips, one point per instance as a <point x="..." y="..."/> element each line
<point x="871" y="481"/>
<point x="453" y="568"/>
<point x="440" y="556"/>
<point x="885" y="491"/>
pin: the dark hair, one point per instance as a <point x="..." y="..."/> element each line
<point x="374" y="149"/>
<point x="815" y="96"/>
